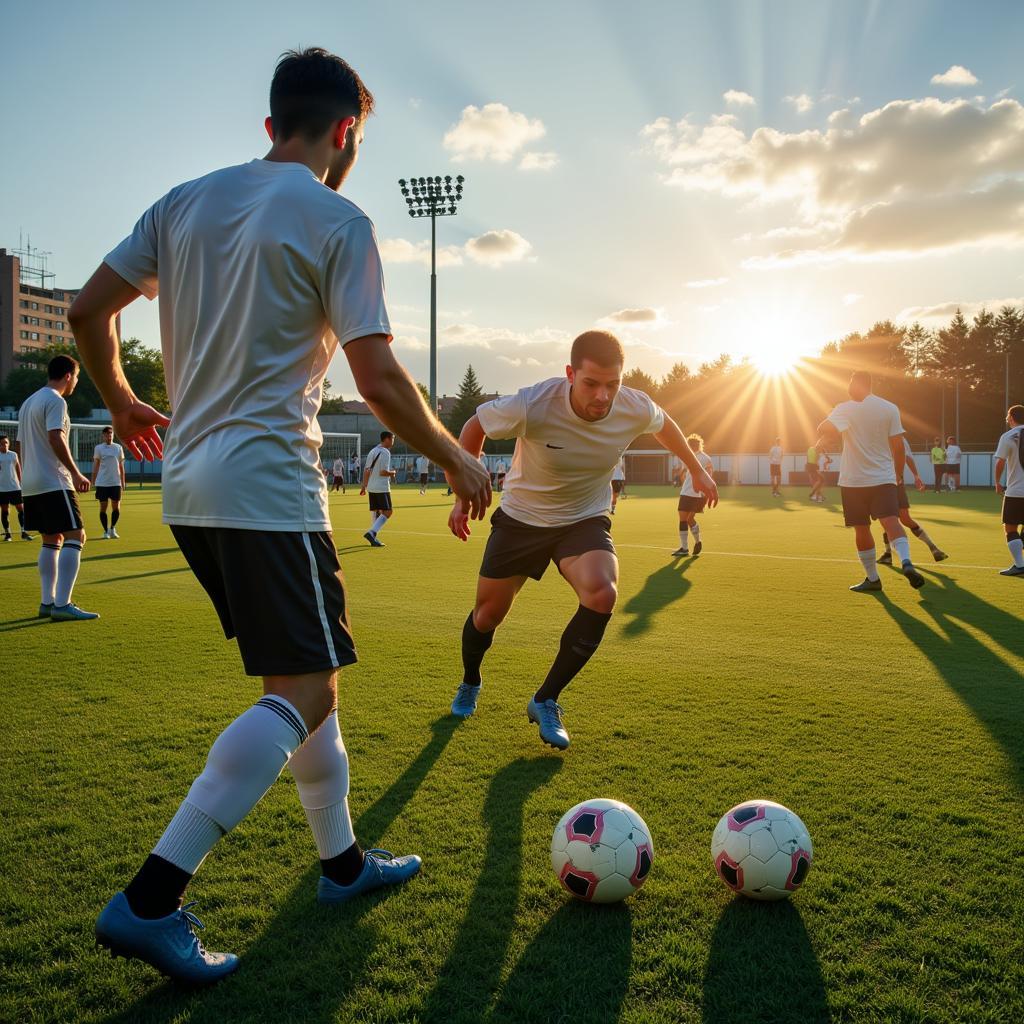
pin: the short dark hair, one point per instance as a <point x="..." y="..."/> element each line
<point x="311" y="89"/>
<point x="4" y="437"/>
<point x="385" y="434"/>
<point x="862" y="377"/>
<point x="107" y="428"/>
<point x="599" y="347"/>
<point x="1016" y="413"/>
<point x="60" y="366"/>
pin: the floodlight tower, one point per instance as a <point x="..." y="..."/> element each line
<point x="432" y="197"/>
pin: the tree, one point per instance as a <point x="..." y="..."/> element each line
<point x="918" y="346"/>
<point x="331" y="405"/>
<point x="640" y="381"/>
<point x="424" y="391"/>
<point x="21" y="382"/>
<point x="469" y="397"/>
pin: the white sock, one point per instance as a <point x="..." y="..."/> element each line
<point x="684" y="537"/>
<point x="48" y="555"/>
<point x="902" y="548"/>
<point x="867" y="559"/>
<point x="1016" y="547"/>
<point x="189" y="837"/>
<point x="68" y="561"/>
<point x="695" y="530"/>
<point x="320" y="768"/>
<point x="378" y="524"/>
<point x="922" y="536"/>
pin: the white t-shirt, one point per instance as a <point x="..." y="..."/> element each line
<point x="688" y="490"/>
<point x="111" y="456"/>
<point x="378" y="460"/>
<point x="338" y="469"/>
<point x="261" y="271"/>
<point x="775" y="455"/>
<point x="562" y="465"/>
<point x="953" y="454"/>
<point x="501" y="468"/>
<point x="866" y="428"/>
<point x="355" y="464"/>
<point x="422" y="465"/>
<point x="619" y="472"/>
<point x="1009" y="449"/>
<point x="40" y="469"/>
<point x="8" y="478"/>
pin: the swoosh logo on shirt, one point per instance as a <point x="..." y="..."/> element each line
<point x="557" y="447"/>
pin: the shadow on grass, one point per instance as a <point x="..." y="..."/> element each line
<point x="469" y="978"/>
<point x="140" y="575"/>
<point x="26" y="623"/>
<point x="663" y="587"/>
<point x="99" y="558"/>
<point x="761" y="968"/>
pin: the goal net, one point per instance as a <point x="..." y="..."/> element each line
<point x="340" y="446"/>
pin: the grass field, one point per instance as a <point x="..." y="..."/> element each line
<point x="893" y="724"/>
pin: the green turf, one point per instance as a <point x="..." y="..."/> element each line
<point x="892" y="724"/>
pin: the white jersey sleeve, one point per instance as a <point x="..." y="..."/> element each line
<point x="135" y="258"/>
<point x="838" y="417"/>
<point x="505" y="417"/>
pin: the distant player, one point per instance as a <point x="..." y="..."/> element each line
<point x="377" y="479"/>
<point x="824" y="465"/>
<point x="952" y="467"/>
<point x="500" y="472"/>
<point x="618" y="482"/>
<point x="691" y="501"/>
<point x="423" y="472"/>
<point x="775" y="467"/>
<point x="905" y="518"/>
<point x="570" y="431"/>
<point x="353" y="469"/>
<point x="50" y="484"/>
<point x="338" y="474"/>
<point x="10" y="489"/>
<point x="938" y="455"/>
<point x="108" y="481"/>
<point x="814" y="477"/>
<point x="1010" y="456"/>
<point x="873" y="460"/>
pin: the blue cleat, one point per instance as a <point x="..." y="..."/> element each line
<point x="548" y="717"/>
<point x="71" y="613"/>
<point x="45" y="611"/>
<point x="169" y="944"/>
<point x="379" y="868"/>
<point x="465" y="700"/>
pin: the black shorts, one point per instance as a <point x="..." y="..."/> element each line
<point x="617" y="486"/>
<point x="953" y="468"/>
<point x="280" y="595"/>
<point x="380" y="501"/>
<point x="338" y="479"/>
<point x="423" y="478"/>
<point x="52" y="512"/>
<point x="811" y="469"/>
<point x="518" y="549"/>
<point x="688" y="503"/>
<point x="1013" y="510"/>
<point x="108" y="493"/>
<point x="902" y="500"/>
<point x="774" y="469"/>
<point x="10" y="497"/>
<point x="862" y="504"/>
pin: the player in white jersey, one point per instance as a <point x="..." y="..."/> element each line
<point x="500" y="472"/>
<point x="905" y="518"/>
<point x="570" y="432"/>
<point x="872" y="461"/>
<point x="377" y="479"/>
<point x="775" y="467"/>
<point x="262" y="271"/>
<point x="50" y="484"/>
<point x="691" y="501"/>
<point x="338" y="473"/>
<point x="10" y="489"/>
<point x="423" y="472"/>
<point x="952" y="467"/>
<point x="618" y="482"/>
<point x="1010" y="457"/>
<point x="108" y="481"/>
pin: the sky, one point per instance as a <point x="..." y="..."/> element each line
<point x="740" y="176"/>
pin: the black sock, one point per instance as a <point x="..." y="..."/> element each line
<point x="103" y="521"/>
<point x="5" y="521"/>
<point x="346" y="867"/>
<point x="21" y="519"/>
<point x="158" y="889"/>
<point x="579" y="641"/>
<point x="474" y="646"/>
<point x="114" y="516"/>
<point x="885" y="540"/>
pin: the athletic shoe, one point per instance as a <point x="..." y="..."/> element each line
<point x="372" y="538"/>
<point x="939" y="556"/>
<point x="680" y="553"/>
<point x="27" y="536"/>
<point x="548" y="716"/>
<point x="106" y="535"/>
<point x="44" y="611"/>
<point x="885" y="559"/>
<point x="1014" y="570"/>
<point x="914" y="578"/>
<point x="169" y="944"/>
<point x="465" y="700"/>
<point x="114" y="535"/>
<point x="7" y="538"/>
<point x="71" y="613"/>
<point x="697" y="548"/>
<point x="379" y="868"/>
<point x="868" y="586"/>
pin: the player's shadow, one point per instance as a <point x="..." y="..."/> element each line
<point x="469" y="978"/>
<point x="24" y="623"/>
<point x="761" y="968"/>
<point x="662" y="588"/>
<point x="100" y="558"/>
<point x="140" y="575"/>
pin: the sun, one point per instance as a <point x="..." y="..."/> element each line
<point x="774" y="363"/>
<point x="779" y="349"/>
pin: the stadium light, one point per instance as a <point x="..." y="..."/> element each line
<point x="432" y="197"/>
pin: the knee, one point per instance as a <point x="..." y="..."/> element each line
<point x="602" y="598"/>
<point x="488" y="617"/>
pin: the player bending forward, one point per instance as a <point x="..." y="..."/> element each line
<point x="10" y="489"/>
<point x="691" y="501"/>
<point x="570" y="432"/>
<point x="1010" y="456"/>
<point x="108" y="481"/>
<point x="905" y="518"/>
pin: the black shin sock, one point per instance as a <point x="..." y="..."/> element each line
<point x="474" y="646"/>
<point x="114" y="516"/>
<point x="158" y="889"/>
<point x="579" y="641"/>
<point x="103" y="521"/>
<point x="346" y="867"/>
<point x="5" y="521"/>
<point x="21" y="519"/>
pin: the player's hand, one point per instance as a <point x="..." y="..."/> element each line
<point x="705" y="484"/>
<point x="362" y="490"/>
<point x="471" y="482"/>
<point x="919" y="483"/>
<point x="1000" y="488"/>
<point x="458" y="520"/>
<point x="136" y="426"/>
<point x="81" y="483"/>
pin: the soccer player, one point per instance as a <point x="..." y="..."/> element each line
<point x="10" y="489"/>
<point x="618" y="482"/>
<point x="377" y="480"/>
<point x="338" y="472"/>
<point x="500" y="472"/>
<point x="570" y="431"/>
<point x="691" y="501"/>
<point x="1010" y="457"/>
<point x="872" y="461"/>
<point x="423" y="471"/>
<point x="952" y="467"/>
<point x="108" y="481"/>
<point x="353" y="468"/>
<point x="50" y="484"/>
<point x="905" y="518"/>
<point x="814" y="477"/>
<point x="264" y="270"/>
<point x="938" y="455"/>
<point x="775" y="467"/>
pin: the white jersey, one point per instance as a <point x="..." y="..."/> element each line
<point x="953" y="455"/>
<point x="688" y="490"/>
<point x="355" y="467"/>
<point x="262" y="271"/>
<point x="563" y="464"/>
<point x="111" y="456"/>
<point x="866" y="428"/>
<point x="619" y="472"/>
<point x="8" y="476"/>
<point x="1011" y="448"/>
<point x="41" y="471"/>
<point x="775" y="455"/>
<point x="338" y="469"/>
<point x="422" y="465"/>
<point x="378" y="461"/>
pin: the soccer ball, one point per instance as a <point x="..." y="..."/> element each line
<point x="762" y="850"/>
<point x="602" y="851"/>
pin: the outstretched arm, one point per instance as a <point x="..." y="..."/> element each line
<point x="671" y="438"/>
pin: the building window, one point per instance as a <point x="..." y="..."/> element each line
<point x="59" y="324"/>
<point x="35" y="305"/>
<point x="23" y="303"/>
<point x="24" y="334"/>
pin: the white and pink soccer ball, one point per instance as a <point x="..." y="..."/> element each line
<point x="762" y="850"/>
<point x="602" y="851"/>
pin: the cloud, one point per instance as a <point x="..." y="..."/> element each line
<point x="492" y="132"/>
<point x="736" y="98"/>
<point x="801" y="104"/>
<point x="957" y="75"/>
<point x="943" y="312"/>
<point x="401" y="250"/>
<point x="494" y="248"/>
<point x="637" y="317"/>
<point x="707" y="282"/>
<point x="538" y="161"/>
<point x="852" y="298"/>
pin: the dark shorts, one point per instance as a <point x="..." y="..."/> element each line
<point x="774" y="469"/>
<point x="1013" y="510"/>
<point x="423" y="478"/>
<point x="108" y="493"/>
<point x="953" y="468"/>
<point x="280" y="595"/>
<point x="688" y="503"/>
<point x="380" y="501"/>
<point x="10" y="497"/>
<point x="862" y="504"/>
<point x="338" y="479"/>
<point x="517" y="549"/>
<point x="811" y="469"/>
<point x="617" y="486"/>
<point x="902" y="500"/>
<point x="52" y="512"/>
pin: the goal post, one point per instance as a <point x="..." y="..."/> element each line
<point x="340" y="446"/>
